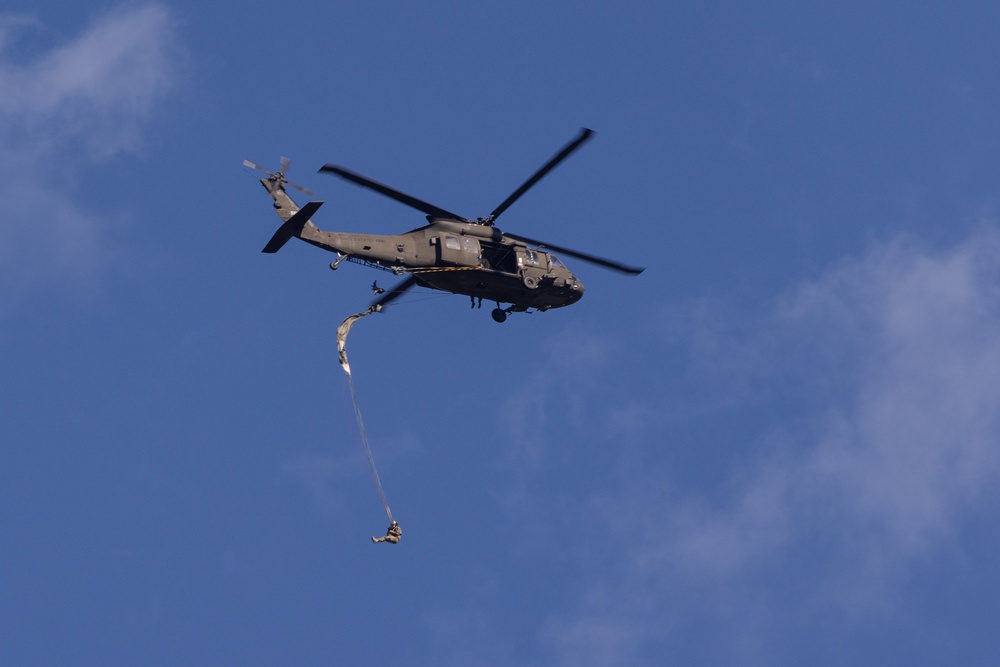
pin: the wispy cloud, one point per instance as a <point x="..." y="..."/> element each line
<point x="82" y="101"/>
<point x="879" y="386"/>
<point x="915" y="446"/>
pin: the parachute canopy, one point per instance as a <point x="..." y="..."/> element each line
<point x="342" y="331"/>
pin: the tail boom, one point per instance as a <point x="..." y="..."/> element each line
<point x="292" y="227"/>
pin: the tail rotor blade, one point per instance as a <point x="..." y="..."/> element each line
<point x="280" y="175"/>
<point x="301" y="189"/>
<point x="248" y="163"/>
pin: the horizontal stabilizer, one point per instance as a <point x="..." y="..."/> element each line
<point x="292" y="227"/>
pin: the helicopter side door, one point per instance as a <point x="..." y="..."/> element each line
<point x="459" y="250"/>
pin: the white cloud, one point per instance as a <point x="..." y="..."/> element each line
<point x="82" y="101"/>
<point x="904" y="446"/>
<point x="98" y="87"/>
<point x="880" y="382"/>
<point x="917" y="444"/>
<point x="899" y="353"/>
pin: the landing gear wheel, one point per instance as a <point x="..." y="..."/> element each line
<point x="498" y="315"/>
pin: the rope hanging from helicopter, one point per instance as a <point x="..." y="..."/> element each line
<point x="342" y="331"/>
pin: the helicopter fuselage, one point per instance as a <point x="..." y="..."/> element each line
<point x="473" y="259"/>
<point x="451" y="253"/>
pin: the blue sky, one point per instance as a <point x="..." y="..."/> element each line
<point x="777" y="446"/>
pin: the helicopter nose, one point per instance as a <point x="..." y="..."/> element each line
<point x="577" y="289"/>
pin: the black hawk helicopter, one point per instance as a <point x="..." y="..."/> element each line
<point x="450" y="253"/>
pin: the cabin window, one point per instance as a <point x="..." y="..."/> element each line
<point x="472" y="247"/>
<point x="461" y="250"/>
<point x="530" y="258"/>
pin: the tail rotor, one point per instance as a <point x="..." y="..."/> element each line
<point x="279" y="176"/>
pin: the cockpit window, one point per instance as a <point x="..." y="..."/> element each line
<point x="530" y="258"/>
<point x="556" y="264"/>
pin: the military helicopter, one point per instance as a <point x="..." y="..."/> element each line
<point x="451" y="253"/>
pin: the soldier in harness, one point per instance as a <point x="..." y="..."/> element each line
<point x="392" y="535"/>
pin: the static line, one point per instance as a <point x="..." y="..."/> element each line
<point x="368" y="449"/>
<point x="342" y="331"/>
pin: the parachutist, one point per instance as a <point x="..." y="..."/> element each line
<point x="392" y="535"/>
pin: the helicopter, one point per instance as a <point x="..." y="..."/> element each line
<point x="451" y="253"/>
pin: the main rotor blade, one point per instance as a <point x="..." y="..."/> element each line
<point x="394" y="293"/>
<point x="606" y="263"/>
<point x="546" y="168"/>
<point x="392" y="193"/>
